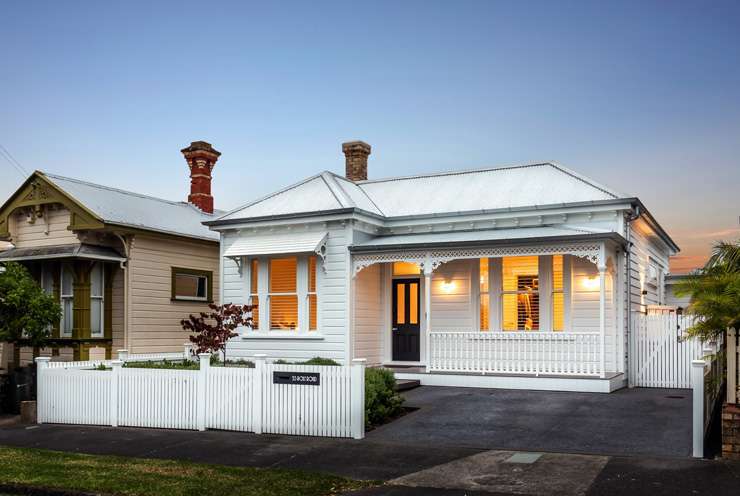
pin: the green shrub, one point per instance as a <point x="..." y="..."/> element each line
<point x="381" y="399"/>
<point x="313" y="361"/>
<point x="164" y="364"/>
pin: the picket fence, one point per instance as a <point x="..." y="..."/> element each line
<point x="226" y="398"/>
<point x="660" y="351"/>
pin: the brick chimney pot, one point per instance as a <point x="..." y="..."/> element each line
<point x="355" y="157"/>
<point x="201" y="158"/>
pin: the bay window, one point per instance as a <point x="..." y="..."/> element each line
<point x="283" y="293"/>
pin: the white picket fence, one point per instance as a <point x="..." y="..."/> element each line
<point x="227" y="398"/>
<point x="660" y="352"/>
<point x="510" y="352"/>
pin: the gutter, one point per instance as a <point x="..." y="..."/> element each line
<point x="612" y="236"/>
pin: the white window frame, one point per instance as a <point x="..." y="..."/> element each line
<point x="100" y="298"/>
<point x="263" y="294"/>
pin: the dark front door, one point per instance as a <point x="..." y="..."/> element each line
<point x="405" y="320"/>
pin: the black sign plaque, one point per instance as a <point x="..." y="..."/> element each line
<point x="301" y="378"/>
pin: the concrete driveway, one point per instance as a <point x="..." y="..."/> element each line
<point x="627" y="422"/>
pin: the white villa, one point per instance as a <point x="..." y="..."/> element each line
<point x="512" y="277"/>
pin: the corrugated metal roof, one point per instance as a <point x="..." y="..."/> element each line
<point x="251" y="245"/>
<point x="130" y="209"/>
<point x="470" y="236"/>
<point x="83" y="251"/>
<point x="447" y="192"/>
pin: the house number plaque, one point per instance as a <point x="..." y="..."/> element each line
<point x="301" y="378"/>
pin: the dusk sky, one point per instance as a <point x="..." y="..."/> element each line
<point x="641" y="96"/>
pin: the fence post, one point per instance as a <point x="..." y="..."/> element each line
<point x="731" y="366"/>
<point x="115" y="379"/>
<point x="257" y="394"/>
<point x="122" y="355"/>
<point x="697" y="385"/>
<point x="187" y="351"/>
<point x="357" y="398"/>
<point x="42" y="363"/>
<point x="205" y="365"/>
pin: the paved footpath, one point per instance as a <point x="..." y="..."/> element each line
<point x="407" y="469"/>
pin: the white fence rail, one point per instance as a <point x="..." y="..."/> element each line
<point x="559" y="353"/>
<point x="283" y="399"/>
<point x="660" y="352"/>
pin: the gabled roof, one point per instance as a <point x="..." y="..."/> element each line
<point x="428" y="194"/>
<point x="103" y="205"/>
<point x="125" y="208"/>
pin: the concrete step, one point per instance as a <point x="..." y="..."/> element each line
<point x="406" y="384"/>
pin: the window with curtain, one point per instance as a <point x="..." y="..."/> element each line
<point x="312" y="297"/>
<point x="558" y="295"/>
<point x="97" y="276"/>
<point x="520" y="294"/>
<point x="254" y="299"/>
<point x="283" y="293"/>
<point x="67" y="300"/>
<point x="484" y="296"/>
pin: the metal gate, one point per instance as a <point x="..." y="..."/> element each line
<point x="660" y="352"/>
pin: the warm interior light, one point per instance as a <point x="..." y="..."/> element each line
<point x="591" y="283"/>
<point x="448" y="286"/>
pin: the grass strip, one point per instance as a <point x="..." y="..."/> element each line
<point x="140" y="476"/>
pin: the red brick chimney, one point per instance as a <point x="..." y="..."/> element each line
<point x="201" y="158"/>
<point x="355" y="158"/>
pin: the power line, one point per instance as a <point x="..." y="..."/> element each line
<point x="12" y="161"/>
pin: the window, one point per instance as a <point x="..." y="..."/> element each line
<point x="484" y="296"/>
<point x="192" y="285"/>
<point x="283" y="293"/>
<point x="312" y="297"/>
<point x="558" y="295"/>
<point x="67" y="300"/>
<point x="406" y="269"/>
<point x="521" y="294"/>
<point x="97" y="276"/>
<point x="254" y="299"/>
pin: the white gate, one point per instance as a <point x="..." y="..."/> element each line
<point x="660" y="352"/>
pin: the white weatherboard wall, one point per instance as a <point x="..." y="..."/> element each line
<point x="585" y="306"/>
<point x="331" y="337"/>
<point x="646" y="251"/>
<point x="368" y="315"/>
<point x="453" y="308"/>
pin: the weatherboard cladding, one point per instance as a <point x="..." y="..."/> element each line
<point x="115" y="206"/>
<point x="464" y="191"/>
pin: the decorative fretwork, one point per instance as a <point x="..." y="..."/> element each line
<point x="430" y="260"/>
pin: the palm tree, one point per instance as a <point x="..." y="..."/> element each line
<point x="715" y="292"/>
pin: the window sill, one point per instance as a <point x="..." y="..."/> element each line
<point x="281" y="335"/>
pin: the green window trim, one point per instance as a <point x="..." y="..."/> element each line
<point x="192" y="272"/>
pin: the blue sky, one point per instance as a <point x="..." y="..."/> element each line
<point x="642" y="96"/>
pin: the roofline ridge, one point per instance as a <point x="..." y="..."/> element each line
<point x="270" y="195"/>
<point x="336" y="176"/>
<point x="587" y="180"/>
<point x="453" y="172"/>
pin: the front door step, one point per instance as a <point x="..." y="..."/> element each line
<point x="406" y="384"/>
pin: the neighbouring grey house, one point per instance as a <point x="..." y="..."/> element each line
<point x="523" y="276"/>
